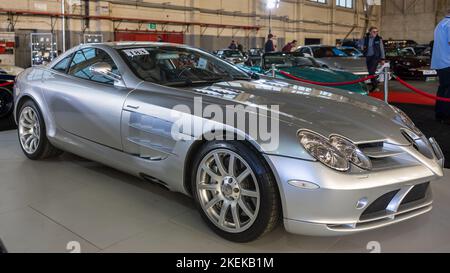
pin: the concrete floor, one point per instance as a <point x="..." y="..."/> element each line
<point x="44" y="205"/>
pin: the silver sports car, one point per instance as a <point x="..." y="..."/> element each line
<point x="334" y="163"/>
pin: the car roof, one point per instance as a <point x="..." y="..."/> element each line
<point x="128" y="44"/>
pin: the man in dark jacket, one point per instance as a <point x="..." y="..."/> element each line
<point x="233" y="45"/>
<point x="373" y="49"/>
<point x="269" y="46"/>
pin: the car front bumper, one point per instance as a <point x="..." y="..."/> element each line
<point x="335" y="203"/>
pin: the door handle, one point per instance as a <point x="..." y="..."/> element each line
<point x="133" y="107"/>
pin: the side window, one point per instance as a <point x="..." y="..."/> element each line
<point x="85" y="58"/>
<point x="62" y="65"/>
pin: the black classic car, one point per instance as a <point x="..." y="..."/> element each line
<point x="406" y="64"/>
<point x="7" y="76"/>
<point x="394" y="44"/>
<point x="231" y="55"/>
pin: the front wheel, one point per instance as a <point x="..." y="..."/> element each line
<point x="31" y="131"/>
<point x="235" y="191"/>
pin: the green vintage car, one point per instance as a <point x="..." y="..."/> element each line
<point x="299" y="66"/>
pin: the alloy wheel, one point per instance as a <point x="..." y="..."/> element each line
<point x="29" y="130"/>
<point x="228" y="190"/>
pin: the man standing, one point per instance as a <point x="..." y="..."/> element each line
<point x="373" y="49"/>
<point x="233" y="45"/>
<point x="289" y="46"/>
<point x="441" y="62"/>
<point x="269" y="46"/>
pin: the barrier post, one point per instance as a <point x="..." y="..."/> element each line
<point x="273" y="71"/>
<point x="386" y="82"/>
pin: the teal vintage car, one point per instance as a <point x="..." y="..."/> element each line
<point x="306" y="68"/>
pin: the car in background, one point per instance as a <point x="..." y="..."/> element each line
<point x="420" y="50"/>
<point x="351" y="51"/>
<point x="254" y="56"/>
<point x="334" y="58"/>
<point x="407" y="65"/>
<point x="7" y="76"/>
<point x="231" y="55"/>
<point x="395" y="44"/>
<point x="306" y="68"/>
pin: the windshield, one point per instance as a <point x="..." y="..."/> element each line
<point x="400" y="53"/>
<point x="329" y="51"/>
<point x="255" y="52"/>
<point x="232" y="54"/>
<point x="351" y="51"/>
<point x="169" y="65"/>
<point x="287" y="60"/>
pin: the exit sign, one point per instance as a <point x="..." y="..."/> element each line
<point x="152" y="26"/>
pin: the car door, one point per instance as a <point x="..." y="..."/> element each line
<point x="84" y="104"/>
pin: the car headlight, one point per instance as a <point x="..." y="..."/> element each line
<point x="351" y="152"/>
<point x="321" y="149"/>
<point x="402" y="117"/>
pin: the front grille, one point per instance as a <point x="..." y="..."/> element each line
<point x="417" y="193"/>
<point x="380" y="204"/>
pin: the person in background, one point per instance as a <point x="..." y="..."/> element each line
<point x="240" y="47"/>
<point x="233" y="45"/>
<point x="373" y="49"/>
<point x="269" y="46"/>
<point x="289" y="46"/>
<point x="159" y="39"/>
<point x="440" y="61"/>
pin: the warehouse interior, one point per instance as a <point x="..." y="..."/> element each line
<point x="72" y="204"/>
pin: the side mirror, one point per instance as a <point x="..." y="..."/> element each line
<point x="105" y="70"/>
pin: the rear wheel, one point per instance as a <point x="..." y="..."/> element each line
<point x="235" y="191"/>
<point x="32" y="135"/>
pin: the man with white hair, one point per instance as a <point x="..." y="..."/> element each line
<point x="441" y="62"/>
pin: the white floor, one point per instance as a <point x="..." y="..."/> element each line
<point x="44" y="205"/>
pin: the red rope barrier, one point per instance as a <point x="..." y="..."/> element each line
<point x="326" y="83"/>
<point x="6" y="84"/>
<point x="420" y="92"/>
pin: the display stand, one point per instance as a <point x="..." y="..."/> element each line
<point x="43" y="48"/>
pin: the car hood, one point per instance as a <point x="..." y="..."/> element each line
<point x="351" y="64"/>
<point x="324" y="110"/>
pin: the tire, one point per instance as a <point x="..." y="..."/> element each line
<point x="31" y="130"/>
<point x="6" y="102"/>
<point x="248" y="193"/>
